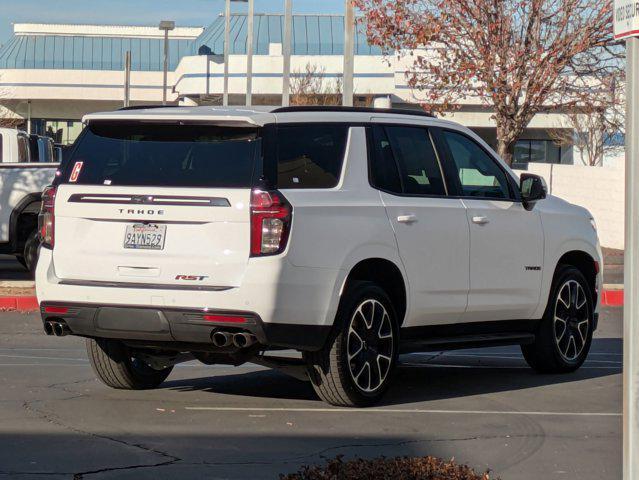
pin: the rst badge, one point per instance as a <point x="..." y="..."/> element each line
<point x="191" y="278"/>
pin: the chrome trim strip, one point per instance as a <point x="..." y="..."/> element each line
<point x="158" y="286"/>
<point x="125" y="199"/>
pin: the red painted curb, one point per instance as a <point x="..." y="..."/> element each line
<point x="612" y="298"/>
<point x="20" y="304"/>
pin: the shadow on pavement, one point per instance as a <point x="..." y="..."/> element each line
<point x="11" y="269"/>
<point x="419" y="378"/>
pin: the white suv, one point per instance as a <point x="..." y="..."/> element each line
<point x="350" y="235"/>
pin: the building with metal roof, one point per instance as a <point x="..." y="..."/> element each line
<point x="93" y="47"/>
<point x="53" y="75"/>
<point x="311" y="35"/>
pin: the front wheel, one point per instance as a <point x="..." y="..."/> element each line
<point x="355" y="366"/>
<point x="565" y="333"/>
<point x="117" y="366"/>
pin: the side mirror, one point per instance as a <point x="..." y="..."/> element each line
<point x="533" y="188"/>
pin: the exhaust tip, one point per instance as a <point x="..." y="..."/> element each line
<point x="243" y="340"/>
<point x="48" y="328"/>
<point x="221" y="339"/>
<point x="60" y="329"/>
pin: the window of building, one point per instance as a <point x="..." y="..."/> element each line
<point x="536" y="151"/>
<point x="479" y="174"/>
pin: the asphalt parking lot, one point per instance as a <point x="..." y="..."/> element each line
<point x="485" y="408"/>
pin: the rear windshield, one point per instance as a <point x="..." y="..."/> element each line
<point x="172" y="155"/>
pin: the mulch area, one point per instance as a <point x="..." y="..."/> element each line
<point x="382" y="468"/>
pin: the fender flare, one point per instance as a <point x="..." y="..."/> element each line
<point x="19" y="209"/>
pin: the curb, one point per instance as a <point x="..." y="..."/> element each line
<point x="612" y="298"/>
<point x="20" y="304"/>
<point x="609" y="298"/>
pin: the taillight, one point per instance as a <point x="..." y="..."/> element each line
<point x="46" y="219"/>
<point x="270" y="222"/>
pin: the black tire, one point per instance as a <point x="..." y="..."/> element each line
<point x="330" y="371"/>
<point x="112" y="362"/>
<point x="561" y="346"/>
<point x="31" y="250"/>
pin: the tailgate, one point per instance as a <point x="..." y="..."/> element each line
<point x="202" y="235"/>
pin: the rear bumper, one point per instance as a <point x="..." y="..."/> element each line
<point x="272" y="289"/>
<point x="181" y="326"/>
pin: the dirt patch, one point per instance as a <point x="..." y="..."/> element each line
<point x="17" y="291"/>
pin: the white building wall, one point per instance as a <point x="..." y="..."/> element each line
<point x="598" y="189"/>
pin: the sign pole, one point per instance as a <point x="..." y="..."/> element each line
<point x="631" y="270"/>
<point x="626" y="26"/>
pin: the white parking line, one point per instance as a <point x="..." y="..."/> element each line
<point x="401" y="410"/>
<point x="43" y="358"/>
<point x="11" y="349"/>
<point x="494" y="367"/>
<point x="513" y="357"/>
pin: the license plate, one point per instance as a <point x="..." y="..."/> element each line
<point x="145" y="237"/>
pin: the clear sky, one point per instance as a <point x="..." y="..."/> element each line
<point x="139" y="12"/>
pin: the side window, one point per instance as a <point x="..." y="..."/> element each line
<point x="1" y="152"/>
<point x="479" y="174"/>
<point x="384" y="173"/>
<point x="23" y="149"/>
<point x="419" y="169"/>
<point x="310" y="156"/>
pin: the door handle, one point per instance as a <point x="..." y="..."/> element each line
<point x="480" y="220"/>
<point x="407" y="218"/>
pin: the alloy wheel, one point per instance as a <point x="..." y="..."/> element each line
<point x="571" y="320"/>
<point x="370" y="345"/>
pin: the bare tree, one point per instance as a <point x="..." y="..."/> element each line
<point x="309" y="87"/>
<point x="518" y="57"/>
<point x="597" y="122"/>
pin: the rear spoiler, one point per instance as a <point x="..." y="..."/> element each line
<point x="185" y="116"/>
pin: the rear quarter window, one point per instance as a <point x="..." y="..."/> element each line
<point x="309" y="155"/>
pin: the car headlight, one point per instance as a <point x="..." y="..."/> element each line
<point x="593" y="224"/>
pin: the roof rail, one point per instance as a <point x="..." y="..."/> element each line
<point x="338" y="108"/>
<point x="145" y="107"/>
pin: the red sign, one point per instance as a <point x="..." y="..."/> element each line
<point x="75" y="173"/>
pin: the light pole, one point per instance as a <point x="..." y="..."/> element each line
<point x="227" y="45"/>
<point x="166" y="26"/>
<point x="249" y="53"/>
<point x="227" y="41"/>
<point x="286" y="53"/>
<point x="349" y="44"/>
